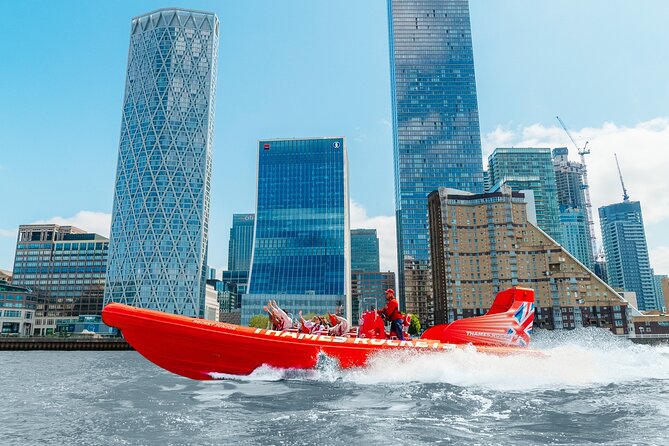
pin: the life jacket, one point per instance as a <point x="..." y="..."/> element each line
<point x="392" y="311"/>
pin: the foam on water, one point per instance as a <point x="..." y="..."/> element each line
<point x="569" y="359"/>
<point x="577" y="358"/>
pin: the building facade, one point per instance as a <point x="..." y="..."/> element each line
<point x="364" y="250"/>
<point x="627" y="261"/>
<point x="18" y="307"/>
<point x="160" y="218"/>
<point x="569" y="179"/>
<point x="436" y="131"/>
<point x="240" y="246"/>
<point x="368" y="290"/>
<point x="529" y="168"/>
<point x="302" y="247"/>
<point x="66" y="267"/>
<point x="483" y="243"/>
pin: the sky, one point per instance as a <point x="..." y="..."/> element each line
<point x="300" y="68"/>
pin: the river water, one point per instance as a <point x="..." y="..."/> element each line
<point x="587" y="388"/>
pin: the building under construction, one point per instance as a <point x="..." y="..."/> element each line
<point x="483" y="243"/>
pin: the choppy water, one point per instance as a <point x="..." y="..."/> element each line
<point x="589" y="388"/>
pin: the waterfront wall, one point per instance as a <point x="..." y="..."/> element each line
<point x="38" y="343"/>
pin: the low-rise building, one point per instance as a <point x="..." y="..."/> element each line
<point x="17" y="309"/>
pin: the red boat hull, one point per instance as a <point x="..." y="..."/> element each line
<point x="196" y="348"/>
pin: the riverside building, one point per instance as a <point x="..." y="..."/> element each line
<point x="627" y="261"/>
<point x="65" y="267"/>
<point x="483" y="243"/>
<point x="302" y="247"/>
<point x="160" y="218"/>
<point x="17" y="310"/>
<point x="436" y="131"/>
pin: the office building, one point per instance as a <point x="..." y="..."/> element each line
<point x="240" y="246"/>
<point x="231" y="290"/>
<point x="483" y="243"/>
<point x="65" y="266"/>
<point x="436" y="131"/>
<point x="17" y="310"/>
<point x="364" y="250"/>
<point x="627" y="261"/>
<point x="368" y="291"/>
<point x="302" y="247"/>
<point x="529" y="168"/>
<point x="577" y="230"/>
<point x="160" y="218"/>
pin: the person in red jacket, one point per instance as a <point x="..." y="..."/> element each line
<point x="392" y="313"/>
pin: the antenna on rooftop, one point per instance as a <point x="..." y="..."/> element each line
<point x="625" y="196"/>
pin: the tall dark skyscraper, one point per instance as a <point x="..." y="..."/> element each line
<point x="241" y="242"/>
<point x="160" y="218"/>
<point x="364" y="250"/>
<point x="437" y="140"/>
<point x="627" y="261"/>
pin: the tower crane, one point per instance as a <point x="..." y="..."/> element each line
<point x="582" y="151"/>
<point x="622" y="183"/>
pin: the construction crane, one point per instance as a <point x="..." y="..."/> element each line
<point x="622" y="183"/>
<point x="582" y="151"/>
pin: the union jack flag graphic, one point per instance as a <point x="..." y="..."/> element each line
<point x="521" y="327"/>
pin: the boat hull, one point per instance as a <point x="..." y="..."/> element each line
<point x="198" y="348"/>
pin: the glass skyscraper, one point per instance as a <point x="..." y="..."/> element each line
<point x="436" y="132"/>
<point x="158" y="243"/>
<point x="572" y="204"/>
<point x="241" y="242"/>
<point x="301" y="253"/>
<point x="627" y="262"/>
<point x="529" y="168"/>
<point x="364" y="250"/>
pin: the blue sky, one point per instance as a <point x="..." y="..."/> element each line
<point x="313" y="68"/>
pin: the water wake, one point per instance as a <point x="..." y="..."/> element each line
<point x="569" y="359"/>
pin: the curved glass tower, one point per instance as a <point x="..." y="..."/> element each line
<point x="158" y="243"/>
<point x="436" y="132"/>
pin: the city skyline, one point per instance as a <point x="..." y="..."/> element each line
<point x="640" y="123"/>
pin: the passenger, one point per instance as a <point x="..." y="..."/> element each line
<point x="312" y="326"/>
<point x="279" y="318"/>
<point x="339" y="325"/>
<point x="392" y="314"/>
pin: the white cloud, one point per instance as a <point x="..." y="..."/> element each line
<point x="98" y="222"/>
<point x="9" y="232"/>
<point x="659" y="259"/>
<point x="385" y="230"/>
<point x="643" y="152"/>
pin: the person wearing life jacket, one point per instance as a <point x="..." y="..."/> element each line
<point x="392" y="313"/>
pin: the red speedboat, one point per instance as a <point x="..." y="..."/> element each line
<point x="199" y="348"/>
